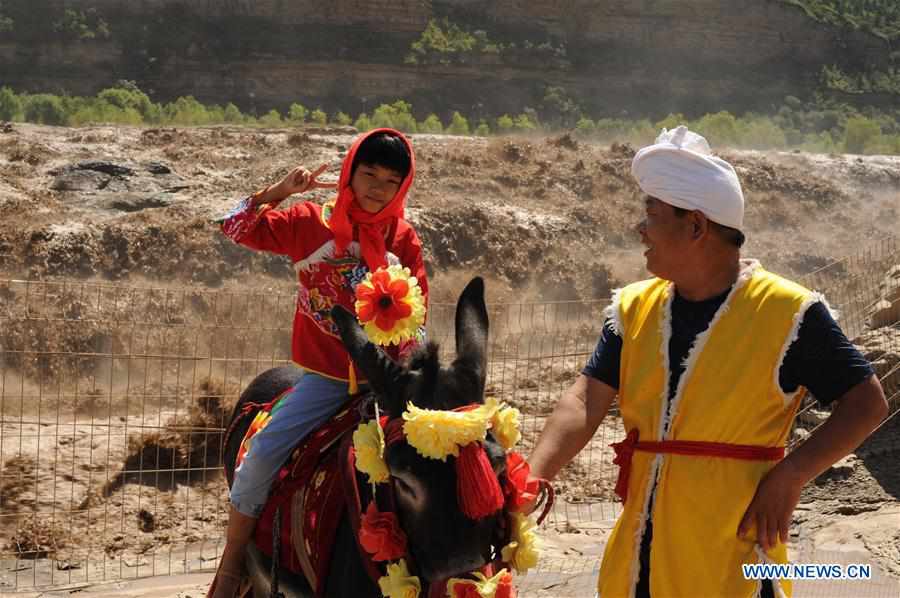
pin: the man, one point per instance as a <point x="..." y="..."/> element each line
<point x="710" y="361"/>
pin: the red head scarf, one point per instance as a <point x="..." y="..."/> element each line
<point x="372" y="227"/>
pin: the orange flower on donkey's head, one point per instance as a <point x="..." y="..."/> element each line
<point x="390" y="305"/>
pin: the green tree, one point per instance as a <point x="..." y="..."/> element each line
<point x="342" y="118"/>
<point x="432" y="124"/>
<point x="131" y="98"/>
<point x="186" y="110"/>
<point x="318" y="117"/>
<point x="272" y="118"/>
<point x="524" y="123"/>
<point x="505" y="124"/>
<point x="45" y="109"/>
<point x="297" y="114"/>
<point x="762" y="133"/>
<point x="585" y="127"/>
<point x="81" y="25"/>
<point x="10" y="105"/>
<point x="397" y="115"/>
<point x="363" y="123"/>
<point x="232" y="114"/>
<point x="458" y="125"/>
<point x="720" y="129"/>
<point x="859" y="132"/>
<point x="441" y="42"/>
<point x="672" y="121"/>
<point x="483" y="129"/>
<point x="559" y="108"/>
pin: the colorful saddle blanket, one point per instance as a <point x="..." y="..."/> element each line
<point x="308" y="495"/>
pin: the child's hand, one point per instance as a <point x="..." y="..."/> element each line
<point x="299" y="180"/>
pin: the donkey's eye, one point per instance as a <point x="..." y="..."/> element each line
<point x="401" y="485"/>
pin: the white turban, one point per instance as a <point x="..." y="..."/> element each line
<point x="680" y="170"/>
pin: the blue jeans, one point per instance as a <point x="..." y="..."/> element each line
<point x="310" y="403"/>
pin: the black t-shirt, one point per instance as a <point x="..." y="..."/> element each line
<point x="822" y="359"/>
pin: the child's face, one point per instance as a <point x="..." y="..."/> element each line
<point x="375" y="186"/>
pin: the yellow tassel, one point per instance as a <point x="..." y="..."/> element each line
<point x="351" y="374"/>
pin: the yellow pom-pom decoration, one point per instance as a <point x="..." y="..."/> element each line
<point x="368" y="441"/>
<point x="436" y="434"/>
<point x="522" y="552"/>
<point x="505" y="427"/>
<point x="390" y="305"/>
<point x="398" y="583"/>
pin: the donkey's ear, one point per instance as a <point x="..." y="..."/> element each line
<point x="472" y="331"/>
<point x="385" y="377"/>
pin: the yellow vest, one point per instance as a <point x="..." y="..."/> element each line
<point x="728" y="393"/>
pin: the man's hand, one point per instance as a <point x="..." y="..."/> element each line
<point x="855" y="415"/>
<point x="299" y="180"/>
<point x="773" y="505"/>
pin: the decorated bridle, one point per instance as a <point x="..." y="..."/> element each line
<point x="390" y="306"/>
<point x="437" y="434"/>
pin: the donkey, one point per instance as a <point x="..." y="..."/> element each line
<point x="442" y="541"/>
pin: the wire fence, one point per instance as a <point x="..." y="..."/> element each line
<point x="113" y="401"/>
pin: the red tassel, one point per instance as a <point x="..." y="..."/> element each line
<point x="477" y="488"/>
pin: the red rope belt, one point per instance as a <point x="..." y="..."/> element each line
<point x="625" y="450"/>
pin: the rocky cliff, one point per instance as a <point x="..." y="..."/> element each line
<point x="621" y="56"/>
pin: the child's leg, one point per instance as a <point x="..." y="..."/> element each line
<point x="311" y="402"/>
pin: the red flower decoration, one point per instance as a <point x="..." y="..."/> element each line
<point x="469" y="589"/>
<point x="466" y="590"/>
<point x="522" y="488"/>
<point x="381" y="536"/>
<point x="383" y="301"/>
<point x="506" y="589"/>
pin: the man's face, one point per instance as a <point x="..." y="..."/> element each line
<point x="667" y="237"/>
<point x="375" y="186"/>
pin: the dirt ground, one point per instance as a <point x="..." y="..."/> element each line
<point x="540" y="218"/>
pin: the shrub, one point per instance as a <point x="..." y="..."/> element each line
<point x="762" y="133"/>
<point x="10" y="105"/>
<point x="363" y="123"/>
<point x="318" y="117"/>
<point x="272" y="118"/>
<point x="524" y="123"/>
<point x="483" y="129"/>
<point x="505" y="124"/>
<point x="232" y="114"/>
<point x="432" y="124"/>
<point x="458" y="125"/>
<point x="45" y="109"/>
<point x="131" y="98"/>
<point x="720" y="129"/>
<point x="585" y="127"/>
<point x="670" y="122"/>
<point x="297" y="114"/>
<point x="397" y="116"/>
<point x="186" y="110"/>
<point x="859" y="131"/>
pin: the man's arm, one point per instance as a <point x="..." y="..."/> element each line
<point x="571" y="425"/>
<point x="857" y="413"/>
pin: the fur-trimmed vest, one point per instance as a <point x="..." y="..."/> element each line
<point x="728" y="393"/>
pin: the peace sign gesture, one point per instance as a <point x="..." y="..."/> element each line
<point x="299" y="180"/>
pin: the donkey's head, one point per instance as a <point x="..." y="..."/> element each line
<point x="443" y="541"/>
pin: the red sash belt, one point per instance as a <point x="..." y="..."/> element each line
<point x="625" y="450"/>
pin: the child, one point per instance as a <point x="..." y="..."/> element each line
<point x="332" y="248"/>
